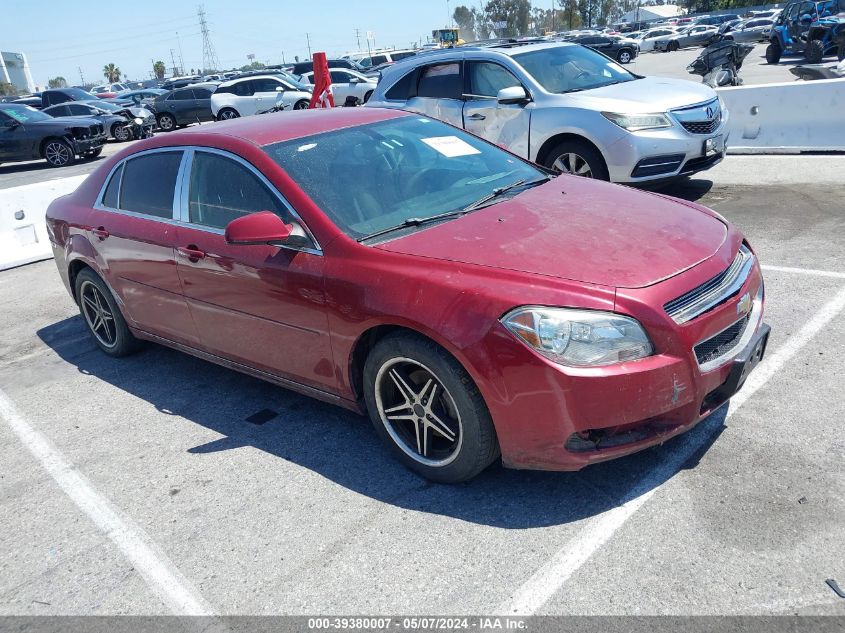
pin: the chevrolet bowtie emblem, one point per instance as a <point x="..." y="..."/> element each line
<point x="745" y="304"/>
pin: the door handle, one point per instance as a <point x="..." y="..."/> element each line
<point x="476" y="117"/>
<point x="191" y="252"/>
<point x="100" y="232"/>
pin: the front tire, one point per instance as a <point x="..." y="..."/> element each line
<point x="427" y="409"/>
<point x="301" y="105"/>
<point x="773" y="52"/>
<point x="102" y="317"/>
<point x="167" y="122"/>
<point x="367" y="96"/>
<point x="577" y="158"/>
<point x="673" y="46"/>
<point x="814" y="52"/>
<point x="121" y="133"/>
<point x="59" y="153"/>
<point x="624" y="56"/>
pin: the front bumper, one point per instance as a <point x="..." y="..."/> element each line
<point x="88" y="145"/>
<point x="658" y="155"/>
<point x="550" y="417"/>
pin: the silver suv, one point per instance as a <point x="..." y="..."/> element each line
<point x="566" y="107"/>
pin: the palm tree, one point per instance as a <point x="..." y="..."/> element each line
<point x="159" y="70"/>
<point x="111" y="73"/>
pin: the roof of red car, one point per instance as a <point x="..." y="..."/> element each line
<point x="283" y="126"/>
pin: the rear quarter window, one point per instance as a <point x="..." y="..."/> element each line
<point x="401" y="90"/>
<point x="110" y="196"/>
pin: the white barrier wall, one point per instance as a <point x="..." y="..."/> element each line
<point x="23" y="232"/>
<point x="786" y="117"/>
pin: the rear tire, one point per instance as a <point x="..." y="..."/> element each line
<point x="301" y="105"/>
<point x="624" y="56"/>
<point x="102" y="316"/>
<point x="166" y="122"/>
<point x="673" y="46"/>
<point x="578" y="158"/>
<point x="227" y="114"/>
<point x="773" y="52"/>
<point x="422" y="388"/>
<point x="814" y="53"/>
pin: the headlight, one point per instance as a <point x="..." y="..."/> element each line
<point x="139" y="121"/>
<point x="579" y="338"/>
<point x="636" y="122"/>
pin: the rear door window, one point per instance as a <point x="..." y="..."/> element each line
<point x="149" y="182"/>
<point x="441" y="81"/>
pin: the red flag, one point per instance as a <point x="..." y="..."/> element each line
<point x="322" y="96"/>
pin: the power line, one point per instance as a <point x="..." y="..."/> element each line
<point x="209" y="56"/>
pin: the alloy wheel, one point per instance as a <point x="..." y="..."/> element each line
<point x="57" y="154"/>
<point x="572" y="163"/>
<point x="226" y="115"/>
<point x="98" y="314"/>
<point x="624" y="57"/>
<point x="166" y="123"/>
<point x="300" y="105"/>
<point x="418" y="412"/>
<point x="122" y="133"/>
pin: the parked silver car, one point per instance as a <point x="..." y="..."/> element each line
<point x="753" y="30"/>
<point x="697" y="35"/>
<point x="566" y="107"/>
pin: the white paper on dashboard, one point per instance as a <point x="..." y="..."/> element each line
<point x="450" y="146"/>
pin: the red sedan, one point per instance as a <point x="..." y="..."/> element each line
<point x="388" y="263"/>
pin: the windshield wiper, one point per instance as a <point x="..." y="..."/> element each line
<point x="498" y="191"/>
<point x="415" y="222"/>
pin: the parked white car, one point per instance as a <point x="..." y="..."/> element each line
<point x="116" y="87"/>
<point x="376" y="59"/>
<point x="251" y="95"/>
<point x="647" y="38"/>
<point x="347" y="83"/>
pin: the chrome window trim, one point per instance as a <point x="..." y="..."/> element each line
<point x="755" y="317"/>
<point x="737" y="274"/>
<point x="180" y="211"/>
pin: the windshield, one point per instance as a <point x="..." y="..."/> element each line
<point x="78" y="95"/>
<point x="109" y="107"/>
<point x="24" y="114"/>
<point x="572" y="68"/>
<point x="373" y="177"/>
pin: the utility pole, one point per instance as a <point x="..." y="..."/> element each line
<point x="308" y="39"/>
<point x="209" y="56"/>
<point x="181" y="59"/>
<point x="358" y="37"/>
<point x="173" y="61"/>
<point x="81" y="78"/>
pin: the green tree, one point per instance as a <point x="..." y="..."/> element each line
<point x="7" y="89"/>
<point x="159" y="69"/>
<point x="515" y="13"/>
<point x="111" y="73"/>
<point x="465" y="19"/>
<point x="252" y="66"/>
<point x="57" y="82"/>
<point x="571" y="15"/>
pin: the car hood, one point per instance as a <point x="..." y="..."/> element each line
<point x="577" y="229"/>
<point x="649" y="94"/>
<point x="73" y="121"/>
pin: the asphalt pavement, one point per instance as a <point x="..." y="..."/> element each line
<point x="137" y="486"/>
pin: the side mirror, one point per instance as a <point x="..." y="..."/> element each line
<point x="263" y="227"/>
<point x="11" y="124"/>
<point x="280" y="88"/>
<point x="514" y="94"/>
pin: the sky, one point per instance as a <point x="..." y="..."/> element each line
<point x="60" y="37"/>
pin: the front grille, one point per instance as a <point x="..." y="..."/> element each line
<point x="722" y="343"/>
<point x="703" y="127"/>
<point x="714" y="291"/>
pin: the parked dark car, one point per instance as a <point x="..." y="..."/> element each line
<point x="115" y="125"/>
<point x="33" y="100"/>
<point x="182" y="107"/>
<point x="180" y="82"/>
<point x="63" y="95"/>
<point x="137" y="96"/>
<point x="622" y="50"/>
<point x="306" y="67"/>
<point x="28" y="134"/>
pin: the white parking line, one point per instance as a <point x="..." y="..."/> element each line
<point x="158" y="571"/>
<point x="551" y="577"/>
<point x="804" y="271"/>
